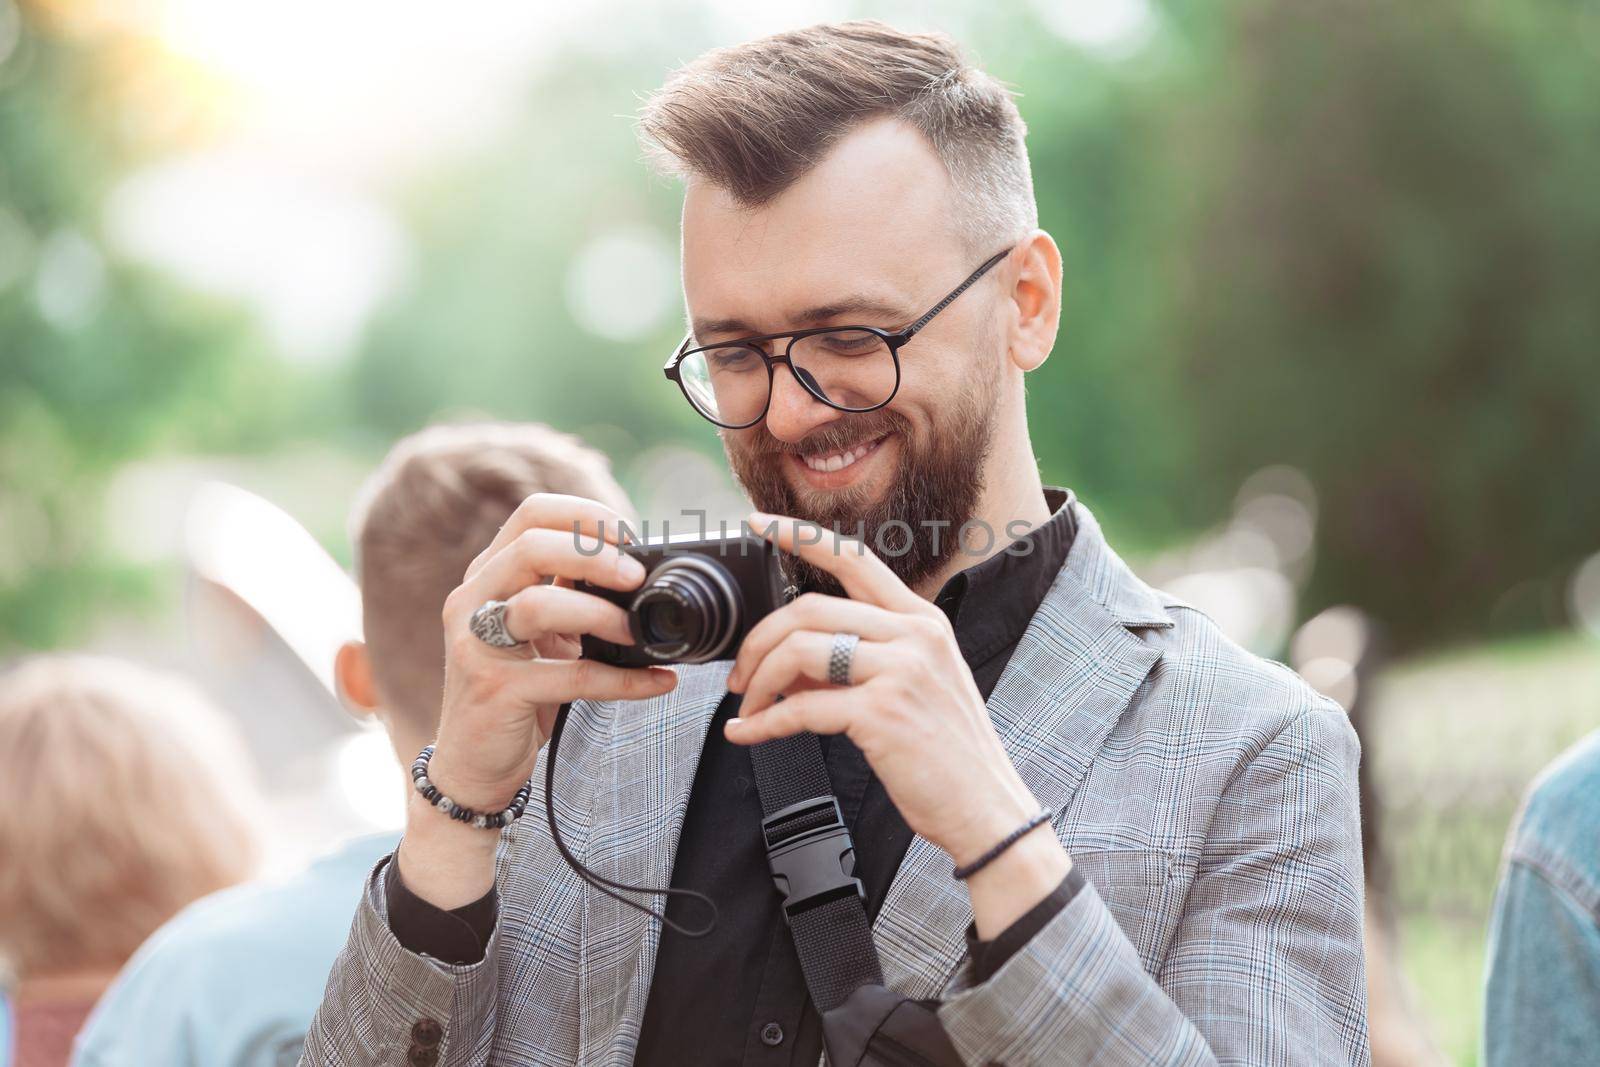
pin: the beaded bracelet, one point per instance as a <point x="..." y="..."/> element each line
<point x="963" y="873"/>
<point x="459" y="812"/>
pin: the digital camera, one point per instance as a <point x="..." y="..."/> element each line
<point x="699" y="598"/>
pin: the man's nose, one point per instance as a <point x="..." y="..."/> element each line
<point x="793" y="412"/>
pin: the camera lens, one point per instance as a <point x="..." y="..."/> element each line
<point x="664" y="621"/>
<point x="686" y="612"/>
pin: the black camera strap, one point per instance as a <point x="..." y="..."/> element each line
<point x="609" y="887"/>
<point x="813" y="865"/>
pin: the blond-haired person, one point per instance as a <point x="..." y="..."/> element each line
<point x="235" y="980"/>
<point x="125" y="797"/>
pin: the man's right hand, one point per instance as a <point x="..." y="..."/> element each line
<point x="500" y="704"/>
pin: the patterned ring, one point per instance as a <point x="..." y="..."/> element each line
<point x="844" y="650"/>
<point x="488" y="625"/>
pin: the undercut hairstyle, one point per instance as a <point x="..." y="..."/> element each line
<point x="127" y="796"/>
<point x="435" y="502"/>
<point x="754" y="118"/>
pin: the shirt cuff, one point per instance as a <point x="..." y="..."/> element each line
<point x="989" y="956"/>
<point x="458" y="936"/>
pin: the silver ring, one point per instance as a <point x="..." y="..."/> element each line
<point x="840" y="657"/>
<point x="488" y="625"/>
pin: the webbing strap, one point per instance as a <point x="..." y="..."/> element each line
<point x="813" y="865"/>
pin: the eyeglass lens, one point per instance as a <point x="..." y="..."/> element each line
<point x="850" y="369"/>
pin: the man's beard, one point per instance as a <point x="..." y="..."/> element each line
<point x="933" y="492"/>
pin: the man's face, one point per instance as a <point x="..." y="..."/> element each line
<point x="865" y="238"/>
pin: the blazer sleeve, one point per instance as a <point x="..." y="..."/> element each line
<point x="1266" y="963"/>
<point x="384" y="1004"/>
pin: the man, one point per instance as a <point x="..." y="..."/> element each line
<point x="1196" y="897"/>
<point x="234" y="979"/>
<point x="1544" y="940"/>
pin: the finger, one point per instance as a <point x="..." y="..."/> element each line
<point x="821" y="711"/>
<point x="539" y="553"/>
<point x="864" y="576"/>
<point x="550" y="609"/>
<point x="812" y="611"/>
<point x="576" y="515"/>
<point x="801" y="657"/>
<point x="587" y="679"/>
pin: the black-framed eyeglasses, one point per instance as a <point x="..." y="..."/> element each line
<point x="851" y="368"/>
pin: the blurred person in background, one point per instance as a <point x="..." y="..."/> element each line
<point x="234" y="980"/>
<point x="123" y="798"/>
<point x="1543" y="970"/>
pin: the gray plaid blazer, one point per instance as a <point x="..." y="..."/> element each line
<point x="1208" y="796"/>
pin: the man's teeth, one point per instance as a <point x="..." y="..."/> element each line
<point x="835" y="461"/>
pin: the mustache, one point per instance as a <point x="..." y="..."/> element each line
<point x="831" y="438"/>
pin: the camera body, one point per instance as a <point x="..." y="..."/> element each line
<point x="699" y="598"/>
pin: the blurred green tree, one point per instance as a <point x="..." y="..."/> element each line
<point x="490" y="319"/>
<point x="102" y="362"/>
<point x="1358" y="238"/>
<point x="1388" y="279"/>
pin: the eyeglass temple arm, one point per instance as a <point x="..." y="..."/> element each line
<point x="957" y="291"/>
<point x="909" y="330"/>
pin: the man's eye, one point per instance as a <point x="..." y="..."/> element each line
<point x="734" y="359"/>
<point x="850" y="344"/>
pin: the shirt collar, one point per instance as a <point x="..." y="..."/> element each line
<point x="991" y="602"/>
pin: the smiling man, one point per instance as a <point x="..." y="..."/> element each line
<point x="1087" y="827"/>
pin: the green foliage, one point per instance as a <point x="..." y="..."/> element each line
<point x="485" y="326"/>
<point x="1388" y="280"/>
<point x="102" y="362"/>
<point x="1358" y="237"/>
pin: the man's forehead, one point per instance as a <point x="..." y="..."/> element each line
<point x="871" y="220"/>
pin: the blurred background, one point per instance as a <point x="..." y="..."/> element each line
<point x="1329" y="368"/>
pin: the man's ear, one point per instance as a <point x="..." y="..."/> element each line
<point x="1037" y="296"/>
<point x="352" y="673"/>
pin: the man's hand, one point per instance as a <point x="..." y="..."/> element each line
<point x="912" y="708"/>
<point x="500" y="704"/>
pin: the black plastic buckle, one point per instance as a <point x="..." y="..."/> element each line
<point x="815" y="862"/>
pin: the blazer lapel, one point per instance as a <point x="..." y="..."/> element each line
<point x="1069" y="680"/>
<point x="643" y="776"/>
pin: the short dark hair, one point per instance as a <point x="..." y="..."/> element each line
<point x="755" y="117"/>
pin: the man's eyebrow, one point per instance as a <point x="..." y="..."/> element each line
<point x="882" y="311"/>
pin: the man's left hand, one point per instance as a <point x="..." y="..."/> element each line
<point x="912" y="706"/>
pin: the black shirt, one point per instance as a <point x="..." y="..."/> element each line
<point x="756" y="1009"/>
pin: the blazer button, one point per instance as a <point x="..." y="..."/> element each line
<point x="422" y="1057"/>
<point x="772" y="1035"/>
<point x="427" y="1033"/>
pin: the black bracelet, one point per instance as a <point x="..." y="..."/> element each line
<point x="1006" y="842"/>
<point x="461" y="813"/>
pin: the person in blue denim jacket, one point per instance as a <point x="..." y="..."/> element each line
<point x="1543" y="988"/>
